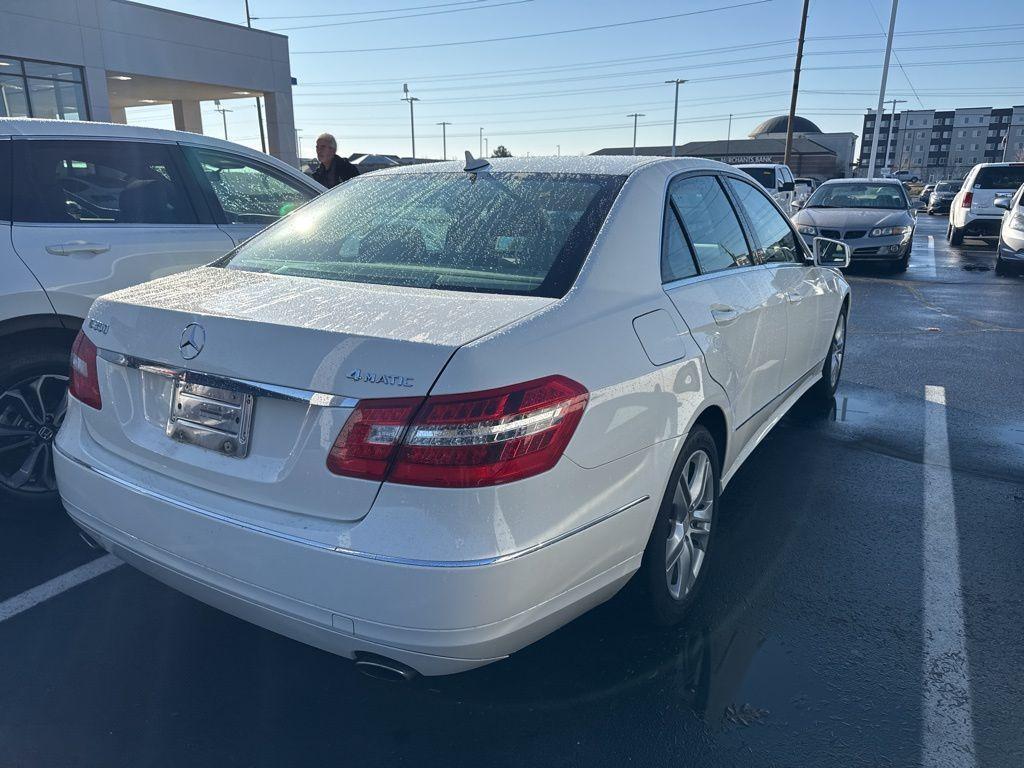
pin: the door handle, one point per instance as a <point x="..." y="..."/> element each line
<point x="794" y="298"/>
<point x="724" y="314"/>
<point x="77" y="247"/>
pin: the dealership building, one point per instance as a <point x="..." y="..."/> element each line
<point x="93" y="59"/>
<point x="815" y="154"/>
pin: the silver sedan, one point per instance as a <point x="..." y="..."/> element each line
<point x="872" y="216"/>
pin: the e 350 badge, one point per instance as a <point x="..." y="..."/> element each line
<point x="390" y="379"/>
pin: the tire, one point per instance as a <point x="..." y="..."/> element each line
<point x="902" y="264"/>
<point x="33" y="399"/>
<point x="1001" y="267"/>
<point x="956" y="235"/>
<point x="669" y="590"/>
<point x="824" y="391"/>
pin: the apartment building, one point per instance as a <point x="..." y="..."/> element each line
<point x="935" y="144"/>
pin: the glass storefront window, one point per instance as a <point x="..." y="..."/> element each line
<point x="41" y="89"/>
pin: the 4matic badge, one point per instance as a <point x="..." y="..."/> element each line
<point x="390" y="379"/>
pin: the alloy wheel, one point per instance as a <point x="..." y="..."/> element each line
<point x="31" y="412"/>
<point x="837" y="351"/>
<point x="693" y="506"/>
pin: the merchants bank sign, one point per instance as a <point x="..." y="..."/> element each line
<point x="737" y="159"/>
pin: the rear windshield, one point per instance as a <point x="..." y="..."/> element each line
<point x="765" y="176"/>
<point x="512" y="233"/>
<point x="1000" y="177"/>
<point x="948" y="186"/>
<point x="857" y="195"/>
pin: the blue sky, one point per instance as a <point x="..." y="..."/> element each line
<point x="573" y="91"/>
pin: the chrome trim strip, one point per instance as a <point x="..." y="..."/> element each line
<point x="246" y="386"/>
<point x="343" y="550"/>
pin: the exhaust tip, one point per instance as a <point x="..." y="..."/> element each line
<point x="89" y="540"/>
<point x="383" y="668"/>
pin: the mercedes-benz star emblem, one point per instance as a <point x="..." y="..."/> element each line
<point x="193" y="338"/>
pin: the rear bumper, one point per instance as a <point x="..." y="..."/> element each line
<point x="983" y="226"/>
<point x="324" y="596"/>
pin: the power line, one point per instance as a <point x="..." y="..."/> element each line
<point x="366" y="13"/>
<point x="552" y="33"/>
<point x="405" y="16"/>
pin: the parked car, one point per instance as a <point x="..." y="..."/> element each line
<point x="973" y="212"/>
<point x="872" y="216"/>
<point x="774" y="177"/>
<point x="942" y="196"/>
<point x="433" y="416"/>
<point x="1010" y="251"/>
<point x="926" y="192"/>
<point x="91" y="208"/>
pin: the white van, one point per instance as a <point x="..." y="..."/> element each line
<point x="774" y="177"/>
<point x="89" y="208"/>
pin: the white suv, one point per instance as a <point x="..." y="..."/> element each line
<point x="776" y="178"/>
<point x="87" y="208"/>
<point x="973" y="211"/>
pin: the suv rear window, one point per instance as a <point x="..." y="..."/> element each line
<point x="1000" y="177"/>
<point x="764" y="176"/>
<point x="948" y="186"/>
<point x="512" y="233"/>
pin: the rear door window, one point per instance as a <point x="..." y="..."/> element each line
<point x="1000" y="177"/>
<point x="246" y="191"/>
<point x="517" y="233"/>
<point x="711" y="223"/>
<point x="100" y="182"/>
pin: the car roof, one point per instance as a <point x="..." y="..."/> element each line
<point x="893" y="182"/>
<point x="600" y="165"/>
<point x="36" y="127"/>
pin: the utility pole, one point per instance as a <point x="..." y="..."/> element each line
<point x="481" y="142"/>
<point x="881" y="90"/>
<point x="558" y="150"/>
<point x="444" y="138"/>
<point x="259" y="102"/>
<point x="635" y="115"/>
<point x="224" y="114"/>
<point x="487" y="147"/>
<point x="412" y="118"/>
<point x="728" y="138"/>
<point x="675" y="113"/>
<point x="892" y="129"/>
<point x="796" y="85"/>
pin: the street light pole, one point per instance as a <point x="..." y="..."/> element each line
<point x="675" y="113"/>
<point x="224" y="114"/>
<point x="412" y="118"/>
<point x="892" y="128"/>
<point x="481" y="152"/>
<point x="259" y="102"/>
<point x="728" y="138"/>
<point x="881" y="91"/>
<point x="635" y="115"/>
<point x="796" y="85"/>
<point x="444" y="138"/>
<point x="558" y="150"/>
<point x="487" y="147"/>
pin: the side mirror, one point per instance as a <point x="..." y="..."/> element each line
<point x="797" y="204"/>
<point x="831" y="253"/>
<point x="1002" y="202"/>
<point x="787" y="186"/>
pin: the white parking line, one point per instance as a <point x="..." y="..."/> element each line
<point x="929" y="263"/>
<point x="12" y="606"/>
<point x="948" y="732"/>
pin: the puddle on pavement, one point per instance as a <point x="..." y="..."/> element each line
<point x="976" y="267"/>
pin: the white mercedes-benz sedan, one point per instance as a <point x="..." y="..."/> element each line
<point x="436" y="414"/>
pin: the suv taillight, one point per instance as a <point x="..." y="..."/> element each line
<point x="968" y="199"/>
<point x="461" y="441"/>
<point x="85" y="382"/>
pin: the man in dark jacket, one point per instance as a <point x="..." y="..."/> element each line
<point x="333" y="170"/>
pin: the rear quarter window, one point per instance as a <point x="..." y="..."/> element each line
<point x="5" y="180"/>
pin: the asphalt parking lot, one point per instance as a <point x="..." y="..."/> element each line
<point x="837" y="630"/>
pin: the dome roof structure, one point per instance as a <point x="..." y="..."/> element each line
<point x="779" y="125"/>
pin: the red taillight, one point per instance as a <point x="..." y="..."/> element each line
<point x="462" y="441"/>
<point x="85" y="382"/>
<point x="968" y="199"/>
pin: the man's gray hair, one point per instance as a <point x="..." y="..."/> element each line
<point x="328" y="137"/>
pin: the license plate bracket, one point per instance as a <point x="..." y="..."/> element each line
<point x="214" y="418"/>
